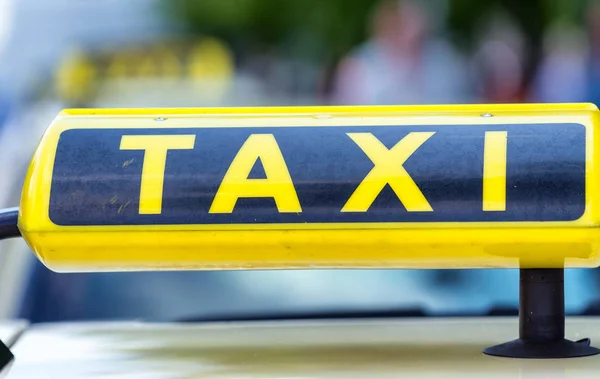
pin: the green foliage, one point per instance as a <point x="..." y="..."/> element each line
<point x="322" y="29"/>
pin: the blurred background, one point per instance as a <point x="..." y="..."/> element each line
<point x="165" y="53"/>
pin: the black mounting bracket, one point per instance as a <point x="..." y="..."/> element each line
<point x="542" y="320"/>
<point x="9" y="219"/>
<point x="8" y="229"/>
<point x="6" y="356"/>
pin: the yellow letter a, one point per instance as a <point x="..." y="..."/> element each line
<point x="277" y="184"/>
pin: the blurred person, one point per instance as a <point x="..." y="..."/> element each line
<point x="498" y="61"/>
<point x="562" y="75"/>
<point x="401" y="63"/>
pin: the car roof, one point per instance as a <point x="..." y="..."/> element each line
<point x="416" y="348"/>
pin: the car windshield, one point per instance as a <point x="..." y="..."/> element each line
<point x="195" y="53"/>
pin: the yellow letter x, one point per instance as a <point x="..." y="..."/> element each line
<point x="388" y="170"/>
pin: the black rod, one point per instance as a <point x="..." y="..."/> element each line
<point x="542" y="305"/>
<point x="8" y="223"/>
<point x="542" y="320"/>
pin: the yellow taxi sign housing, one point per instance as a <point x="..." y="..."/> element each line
<point x="316" y="187"/>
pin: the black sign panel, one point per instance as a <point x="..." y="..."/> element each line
<point x="95" y="182"/>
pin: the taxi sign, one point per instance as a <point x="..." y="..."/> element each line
<point x="316" y="187"/>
